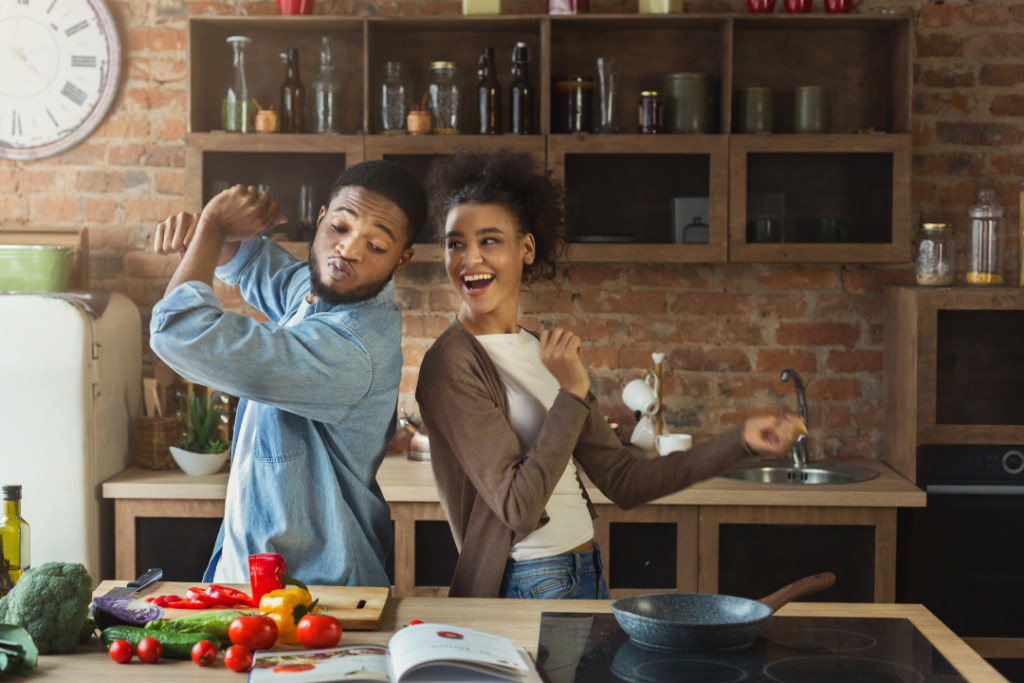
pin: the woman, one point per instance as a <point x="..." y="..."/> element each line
<point x="509" y="410"/>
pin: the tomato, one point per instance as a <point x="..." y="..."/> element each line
<point x="204" y="653"/>
<point x="238" y="659"/>
<point x="121" y="651"/>
<point x="318" y="630"/>
<point x="253" y="633"/>
<point x="150" y="650"/>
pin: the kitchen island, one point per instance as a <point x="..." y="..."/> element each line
<point x="520" y="621"/>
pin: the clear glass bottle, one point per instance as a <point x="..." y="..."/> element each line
<point x="326" y="94"/>
<point x="237" y="110"/>
<point x="293" y="97"/>
<point x="396" y="97"/>
<point x="521" y="93"/>
<point x="15" y="541"/>
<point x="936" y="256"/>
<point x="985" y="241"/>
<point x="445" y="97"/>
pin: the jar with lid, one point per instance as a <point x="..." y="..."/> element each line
<point x="445" y="97"/>
<point x="936" y="256"/>
<point x="984" y="241"/>
<point x="650" y="112"/>
<point x="573" y="103"/>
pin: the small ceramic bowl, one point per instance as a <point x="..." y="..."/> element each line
<point x="198" y="464"/>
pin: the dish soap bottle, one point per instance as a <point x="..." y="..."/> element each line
<point x="326" y="94"/>
<point x="14" y="541"/>
<point x="293" y="97"/>
<point x="522" y="93"/>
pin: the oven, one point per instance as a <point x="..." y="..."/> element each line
<point x="962" y="556"/>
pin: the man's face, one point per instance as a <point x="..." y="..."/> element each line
<point x="359" y="245"/>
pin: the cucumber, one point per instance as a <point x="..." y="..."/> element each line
<point x="176" y="645"/>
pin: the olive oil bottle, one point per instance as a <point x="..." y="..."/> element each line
<point x="14" y="540"/>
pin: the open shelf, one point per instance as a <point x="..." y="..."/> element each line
<point x="864" y="180"/>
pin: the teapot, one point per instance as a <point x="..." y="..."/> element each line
<point x="419" y="443"/>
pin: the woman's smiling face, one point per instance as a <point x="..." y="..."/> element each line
<point x="484" y="257"/>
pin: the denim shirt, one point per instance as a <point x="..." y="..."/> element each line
<point x="325" y="392"/>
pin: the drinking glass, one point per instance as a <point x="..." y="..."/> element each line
<point x="307" y="214"/>
<point x="609" y="73"/>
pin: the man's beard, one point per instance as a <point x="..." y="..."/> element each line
<point x="353" y="296"/>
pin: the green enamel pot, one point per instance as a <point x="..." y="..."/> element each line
<point x="25" y="268"/>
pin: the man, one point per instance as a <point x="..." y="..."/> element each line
<point x="319" y="383"/>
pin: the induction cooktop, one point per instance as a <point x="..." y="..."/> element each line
<point x="591" y="648"/>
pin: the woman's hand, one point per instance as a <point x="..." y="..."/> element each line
<point x="560" y="352"/>
<point x="772" y="435"/>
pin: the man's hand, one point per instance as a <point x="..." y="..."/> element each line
<point x="772" y="435"/>
<point x="242" y="213"/>
<point x="560" y="353"/>
<point x="174" y="234"/>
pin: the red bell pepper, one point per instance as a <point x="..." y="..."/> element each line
<point x="265" y="572"/>
<point x="228" y="597"/>
<point x="187" y="604"/>
<point x="162" y="600"/>
<point x="199" y="594"/>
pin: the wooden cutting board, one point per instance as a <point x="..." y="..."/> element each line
<point x="359" y="609"/>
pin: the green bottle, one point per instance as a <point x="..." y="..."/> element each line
<point x="14" y="540"/>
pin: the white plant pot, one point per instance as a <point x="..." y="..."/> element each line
<point x="198" y="464"/>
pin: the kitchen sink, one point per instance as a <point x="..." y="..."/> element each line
<point x="785" y="472"/>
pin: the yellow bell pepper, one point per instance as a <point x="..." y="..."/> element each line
<point x="286" y="606"/>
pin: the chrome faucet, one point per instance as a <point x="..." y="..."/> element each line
<point x="799" y="449"/>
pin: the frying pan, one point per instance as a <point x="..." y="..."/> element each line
<point x="695" y="622"/>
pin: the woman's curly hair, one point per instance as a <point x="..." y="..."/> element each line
<point x="507" y="178"/>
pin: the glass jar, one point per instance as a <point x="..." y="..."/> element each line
<point x="237" y="110"/>
<point x="326" y="93"/>
<point x="936" y="256"/>
<point x="985" y="241"/>
<point x="395" y="97"/>
<point x="573" y="102"/>
<point x="650" y="112"/>
<point x="445" y="97"/>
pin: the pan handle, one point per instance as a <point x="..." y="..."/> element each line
<point x="798" y="589"/>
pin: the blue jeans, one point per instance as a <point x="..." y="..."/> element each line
<point x="569" y="576"/>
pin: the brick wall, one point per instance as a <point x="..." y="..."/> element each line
<point x="729" y="329"/>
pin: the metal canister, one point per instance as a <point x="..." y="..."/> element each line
<point x="651" y="112"/>
<point x="688" y="104"/>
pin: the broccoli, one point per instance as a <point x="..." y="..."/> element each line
<point x="51" y="602"/>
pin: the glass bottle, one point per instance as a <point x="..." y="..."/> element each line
<point x="326" y="94"/>
<point x="984" y="241"/>
<point x="14" y="541"/>
<point x="650" y="112"/>
<point x="488" y="95"/>
<point x="936" y="256"/>
<point x="522" y="94"/>
<point x="396" y="97"/>
<point x="237" y="110"/>
<point x="293" y="97"/>
<point x="445" y="97"/>
<point x="572" y="100"/>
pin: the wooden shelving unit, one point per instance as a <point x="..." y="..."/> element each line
<point x="865" y="60"/>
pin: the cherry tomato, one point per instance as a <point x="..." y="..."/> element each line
<point x="121" y="651"/>
<point x="318" y="630"/>
<point x="238" y="659"/>
<point x="204" y="653"/>
<point x="149" y="650"/>
<point x="253" y="633"/>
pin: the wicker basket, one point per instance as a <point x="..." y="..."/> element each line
<point x="156" y="435"/>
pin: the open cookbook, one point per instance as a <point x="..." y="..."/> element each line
<point x="424" y="653"/>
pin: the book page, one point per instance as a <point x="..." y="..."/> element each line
<point x="352" y="663"/>
<point x="415" y="647"/>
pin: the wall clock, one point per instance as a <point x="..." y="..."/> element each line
<point x="60" y="62"/>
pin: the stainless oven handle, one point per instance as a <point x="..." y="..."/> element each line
<point x="1013" y="490"/>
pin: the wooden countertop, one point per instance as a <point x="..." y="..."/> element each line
<point x="519" y="621"/>
<point x="404" y="481"/>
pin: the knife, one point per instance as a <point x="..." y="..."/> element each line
<point x="103" y="619"/>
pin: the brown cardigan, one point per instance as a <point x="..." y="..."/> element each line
<point x="493" y="493"/>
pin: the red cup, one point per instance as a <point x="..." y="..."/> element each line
<point x="840" y="6"/>
<point x="760" y="6"/>
<point x="294" y="6"/>
<point x="798" y="6"/>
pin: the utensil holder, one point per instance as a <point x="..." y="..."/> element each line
<point x="155" y="436"/>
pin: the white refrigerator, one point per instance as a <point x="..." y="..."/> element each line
<point x="70" y="388"/>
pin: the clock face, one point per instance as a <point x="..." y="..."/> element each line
<point x="60" y="61"/>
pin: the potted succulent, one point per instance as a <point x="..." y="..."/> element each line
<point x="199" y="451"/>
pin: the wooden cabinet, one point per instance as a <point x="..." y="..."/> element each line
<point x="618" y="187"/>
<point x="952" y="371"/>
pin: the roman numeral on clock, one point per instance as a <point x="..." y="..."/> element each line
<point x="73" y="93"/>
<point x="15" y="124"/>
<point x="22" y="2"/>
<point x="76" y="28"/>
<point x="77" y="60"/>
